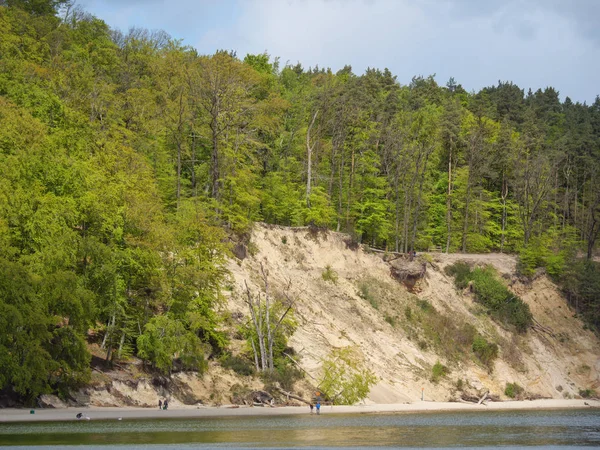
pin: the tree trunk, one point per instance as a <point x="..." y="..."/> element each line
<point x="257" y="322"/>
<point x="309" y="150"/>
<point x="504" y="195"/>
<point x="214" y="160"/>
<point x="418" y="208"/>
<point x="340" y="193"/>
<point x="350" y="187"/>
<point x="449" y="202"/>
<point x="466" y="219"/>
<point x="106" y="338"/>
<point x="268" y="320"/>
<point x="193" y="168"/>
<point x="255" y="355"/>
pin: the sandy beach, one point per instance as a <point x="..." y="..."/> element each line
<point x="97" y="413"/>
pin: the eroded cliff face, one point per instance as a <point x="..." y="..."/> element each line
<point x="401" y="329"/>
<point x="368" y="308"/>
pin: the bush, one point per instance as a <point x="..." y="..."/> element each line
<point x="365" y="293"/>
<point x="506" y="307"/>
<point x="461" y="272"/>
<point x="513" y="390"/>
<point x="438" y="371"/>
<point x="587" y="393"/>
<point x="581" y="284"/>
<point x="239" y="365"/>
<point x="285" y="375"/>
<point x="485" y="351"/>
<point x="465" y="334"/>
<point x="390" y="320"/>
<point x="425" y="305"/>
<point x="329" y="274"/>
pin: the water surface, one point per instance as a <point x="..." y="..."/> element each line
<point x="514" y="429"/>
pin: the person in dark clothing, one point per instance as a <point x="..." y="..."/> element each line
<point x="166" y="404"/>
<point x="159" y="403"/>
<point x="311" y="408"/>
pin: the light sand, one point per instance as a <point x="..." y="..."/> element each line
<point x="95" y="413"/>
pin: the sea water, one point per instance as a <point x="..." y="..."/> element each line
<point x="565" y="429"/>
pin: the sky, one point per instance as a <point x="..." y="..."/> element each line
<point x="533" y="43"/>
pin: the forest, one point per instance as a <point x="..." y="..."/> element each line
<point x="130" y="165"/>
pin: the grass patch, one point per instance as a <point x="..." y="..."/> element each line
<point x="365" y="291"/>
<point x="239" y="365"/>
<point x="438" y="371"/>
<point x="329" y="274"/>
<point x="446" y="335"/>
<point x="485" y="351"/>
<point x="513" y="390"/>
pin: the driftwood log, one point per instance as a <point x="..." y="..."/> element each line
<point x="295" y="397"/>
<point x="474" y="399"/>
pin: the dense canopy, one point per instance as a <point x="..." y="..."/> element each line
<point x="129" y="162"/>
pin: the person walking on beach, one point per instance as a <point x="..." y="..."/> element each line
<point x="166" y="404"/>
<point x="159" y="403"/>
<point x="311" y="408"/>
<point x="318" y="407"/>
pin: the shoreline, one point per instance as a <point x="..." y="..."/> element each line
<point x="13" y="415"/>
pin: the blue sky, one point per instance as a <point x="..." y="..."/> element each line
<point x="534" y="43"/>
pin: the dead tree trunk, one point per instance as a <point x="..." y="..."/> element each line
<point x="309" y="150"/>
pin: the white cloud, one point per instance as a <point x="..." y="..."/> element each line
<point x="534" y="43"/>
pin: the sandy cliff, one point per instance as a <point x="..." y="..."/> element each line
<point x="367" y="308"/>
<point x="401" y="329"/>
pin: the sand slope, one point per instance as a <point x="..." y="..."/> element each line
<point x="554" y="364"/>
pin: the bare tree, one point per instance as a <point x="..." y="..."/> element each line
<point x="265" y="326"/>
<point x="309" y="150"/>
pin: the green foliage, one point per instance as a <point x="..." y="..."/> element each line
<point x="126" y="159"/>
<point x="42" y="346"/>
<point x="551" y="250"/>
<point x="165" y="340"/>
<point x="280" y="333"/>
<point x="587" y="393"/>
<point x="365" y="291"/>
<point x="461" y="272"/>
<point x="447" y="335"/>
<point x="505" y="306"/>
<point x="581" y="283"/>
<point x="329" y="274"/>
<point x="345" y="380"/>
<point x="438" y="371"/>
<point x="485" y="351"/>
<point x="239" y="365"/>
<point x="513" y="390"/>
<point x="391" y="320"/>
<point x="285" y="375"/>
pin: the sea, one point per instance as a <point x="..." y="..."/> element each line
<point x="556" y="429"/>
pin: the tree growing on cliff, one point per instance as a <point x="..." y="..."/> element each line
<point x="270" y="323"/>
<point x="345" y="378"/>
